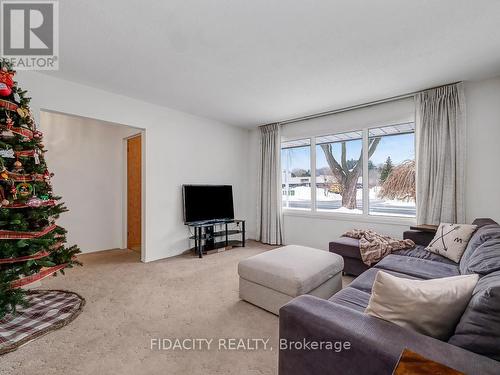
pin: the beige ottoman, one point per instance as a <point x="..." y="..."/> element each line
<point x="273" y="278"/>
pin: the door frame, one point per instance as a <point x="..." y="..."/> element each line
<point x="142" y="134"/>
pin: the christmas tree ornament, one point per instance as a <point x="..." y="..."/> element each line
<point x="36" y="156"/>
<point x="4" y="89"/>
<point x="44" y="197"/>
<point x="18" y="166"/>
<point x="13" y="191"/>
<point x="4" y="175"/>
<point x="4" y="202"/>
<point x="21" y="111"/>
<point x="7" y="154"/>
<point x="6" y="83"/>
<point x="34" y="202"/>
<point x="8" y="122"/>
<point x="24" y="189"/>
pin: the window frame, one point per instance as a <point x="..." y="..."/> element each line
<point x="281" y="180"/>
<point x="365" y="216"/>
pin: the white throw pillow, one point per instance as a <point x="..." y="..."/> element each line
<point x="451" y="240"/>
<point x="431" y="307"/>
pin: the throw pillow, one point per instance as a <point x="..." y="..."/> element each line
<point x="431" y="307"/>
<point x="451" y="240"/>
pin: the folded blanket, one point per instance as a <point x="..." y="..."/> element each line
<point x="374" y="246"/>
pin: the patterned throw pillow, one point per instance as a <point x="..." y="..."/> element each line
<point x="451" y="240"/>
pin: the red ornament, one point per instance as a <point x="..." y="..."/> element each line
<point x="5" y="90"/>
<point x="6" y="83"/>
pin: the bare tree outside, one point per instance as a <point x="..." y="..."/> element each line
<point x="347" y="175"/>
<point x="400" y="183"/>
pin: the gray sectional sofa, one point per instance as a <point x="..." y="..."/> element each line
<point x="376" y="345"/>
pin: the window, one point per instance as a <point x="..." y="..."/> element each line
<point x="341" y="183"/>
<point x="296" y="174"/>
<point x="339" y="173"/>
<point x="391" y="171"/>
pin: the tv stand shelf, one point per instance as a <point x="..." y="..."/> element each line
<point x="205" y="236"/>
<point x="222" y="233"/>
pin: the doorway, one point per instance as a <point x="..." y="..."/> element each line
<point x="134" y="193"/>
<point x="89" y="149"/>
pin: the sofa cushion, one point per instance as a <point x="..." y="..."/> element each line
<point x="352" y="298"/>
<point x="483" y="234"/>
<point x="486" y="258"/>
<point x="431" y="307"/>
<point x="346" y="247"/>
<point x="421" y="268"/>
<point x="420" y="252"/>
<point x="364" y="282"/>
<point x="292" y="270"/>
<point x="479" y="327"/>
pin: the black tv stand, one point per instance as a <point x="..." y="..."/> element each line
<point x="207" y="238"/>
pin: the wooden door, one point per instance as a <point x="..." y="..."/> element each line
<point x="134" y="193"/>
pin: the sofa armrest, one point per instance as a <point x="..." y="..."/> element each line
<point x="420" y="238"/>
<point x="375" y="345"/>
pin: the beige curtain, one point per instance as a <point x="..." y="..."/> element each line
<point x="440" y="123"/>
<point x="270" y="212"/>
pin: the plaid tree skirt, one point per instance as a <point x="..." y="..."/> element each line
<point x="48" y="310"/>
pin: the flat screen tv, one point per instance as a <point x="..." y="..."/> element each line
<point x="207" y="202"/>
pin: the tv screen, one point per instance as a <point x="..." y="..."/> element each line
<point x="207" y="202"/>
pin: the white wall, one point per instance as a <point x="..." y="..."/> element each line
<point x="179" y="148"/>
<point x="88" y="161"/>
<point x="319" y="231"/>
<point x="482" y="187"/>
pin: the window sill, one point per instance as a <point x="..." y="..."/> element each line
<point x="403" y="221"/>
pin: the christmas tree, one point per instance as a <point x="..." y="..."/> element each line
<point x="32" y="246"/>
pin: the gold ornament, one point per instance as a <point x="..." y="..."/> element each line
<point x="23" y="112"/>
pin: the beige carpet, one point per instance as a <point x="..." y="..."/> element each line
<point x="129" y="303"/>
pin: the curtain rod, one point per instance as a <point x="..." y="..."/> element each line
<point x="358" y="106"/>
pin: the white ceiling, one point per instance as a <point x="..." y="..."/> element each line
<point x="250" y="62"/>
